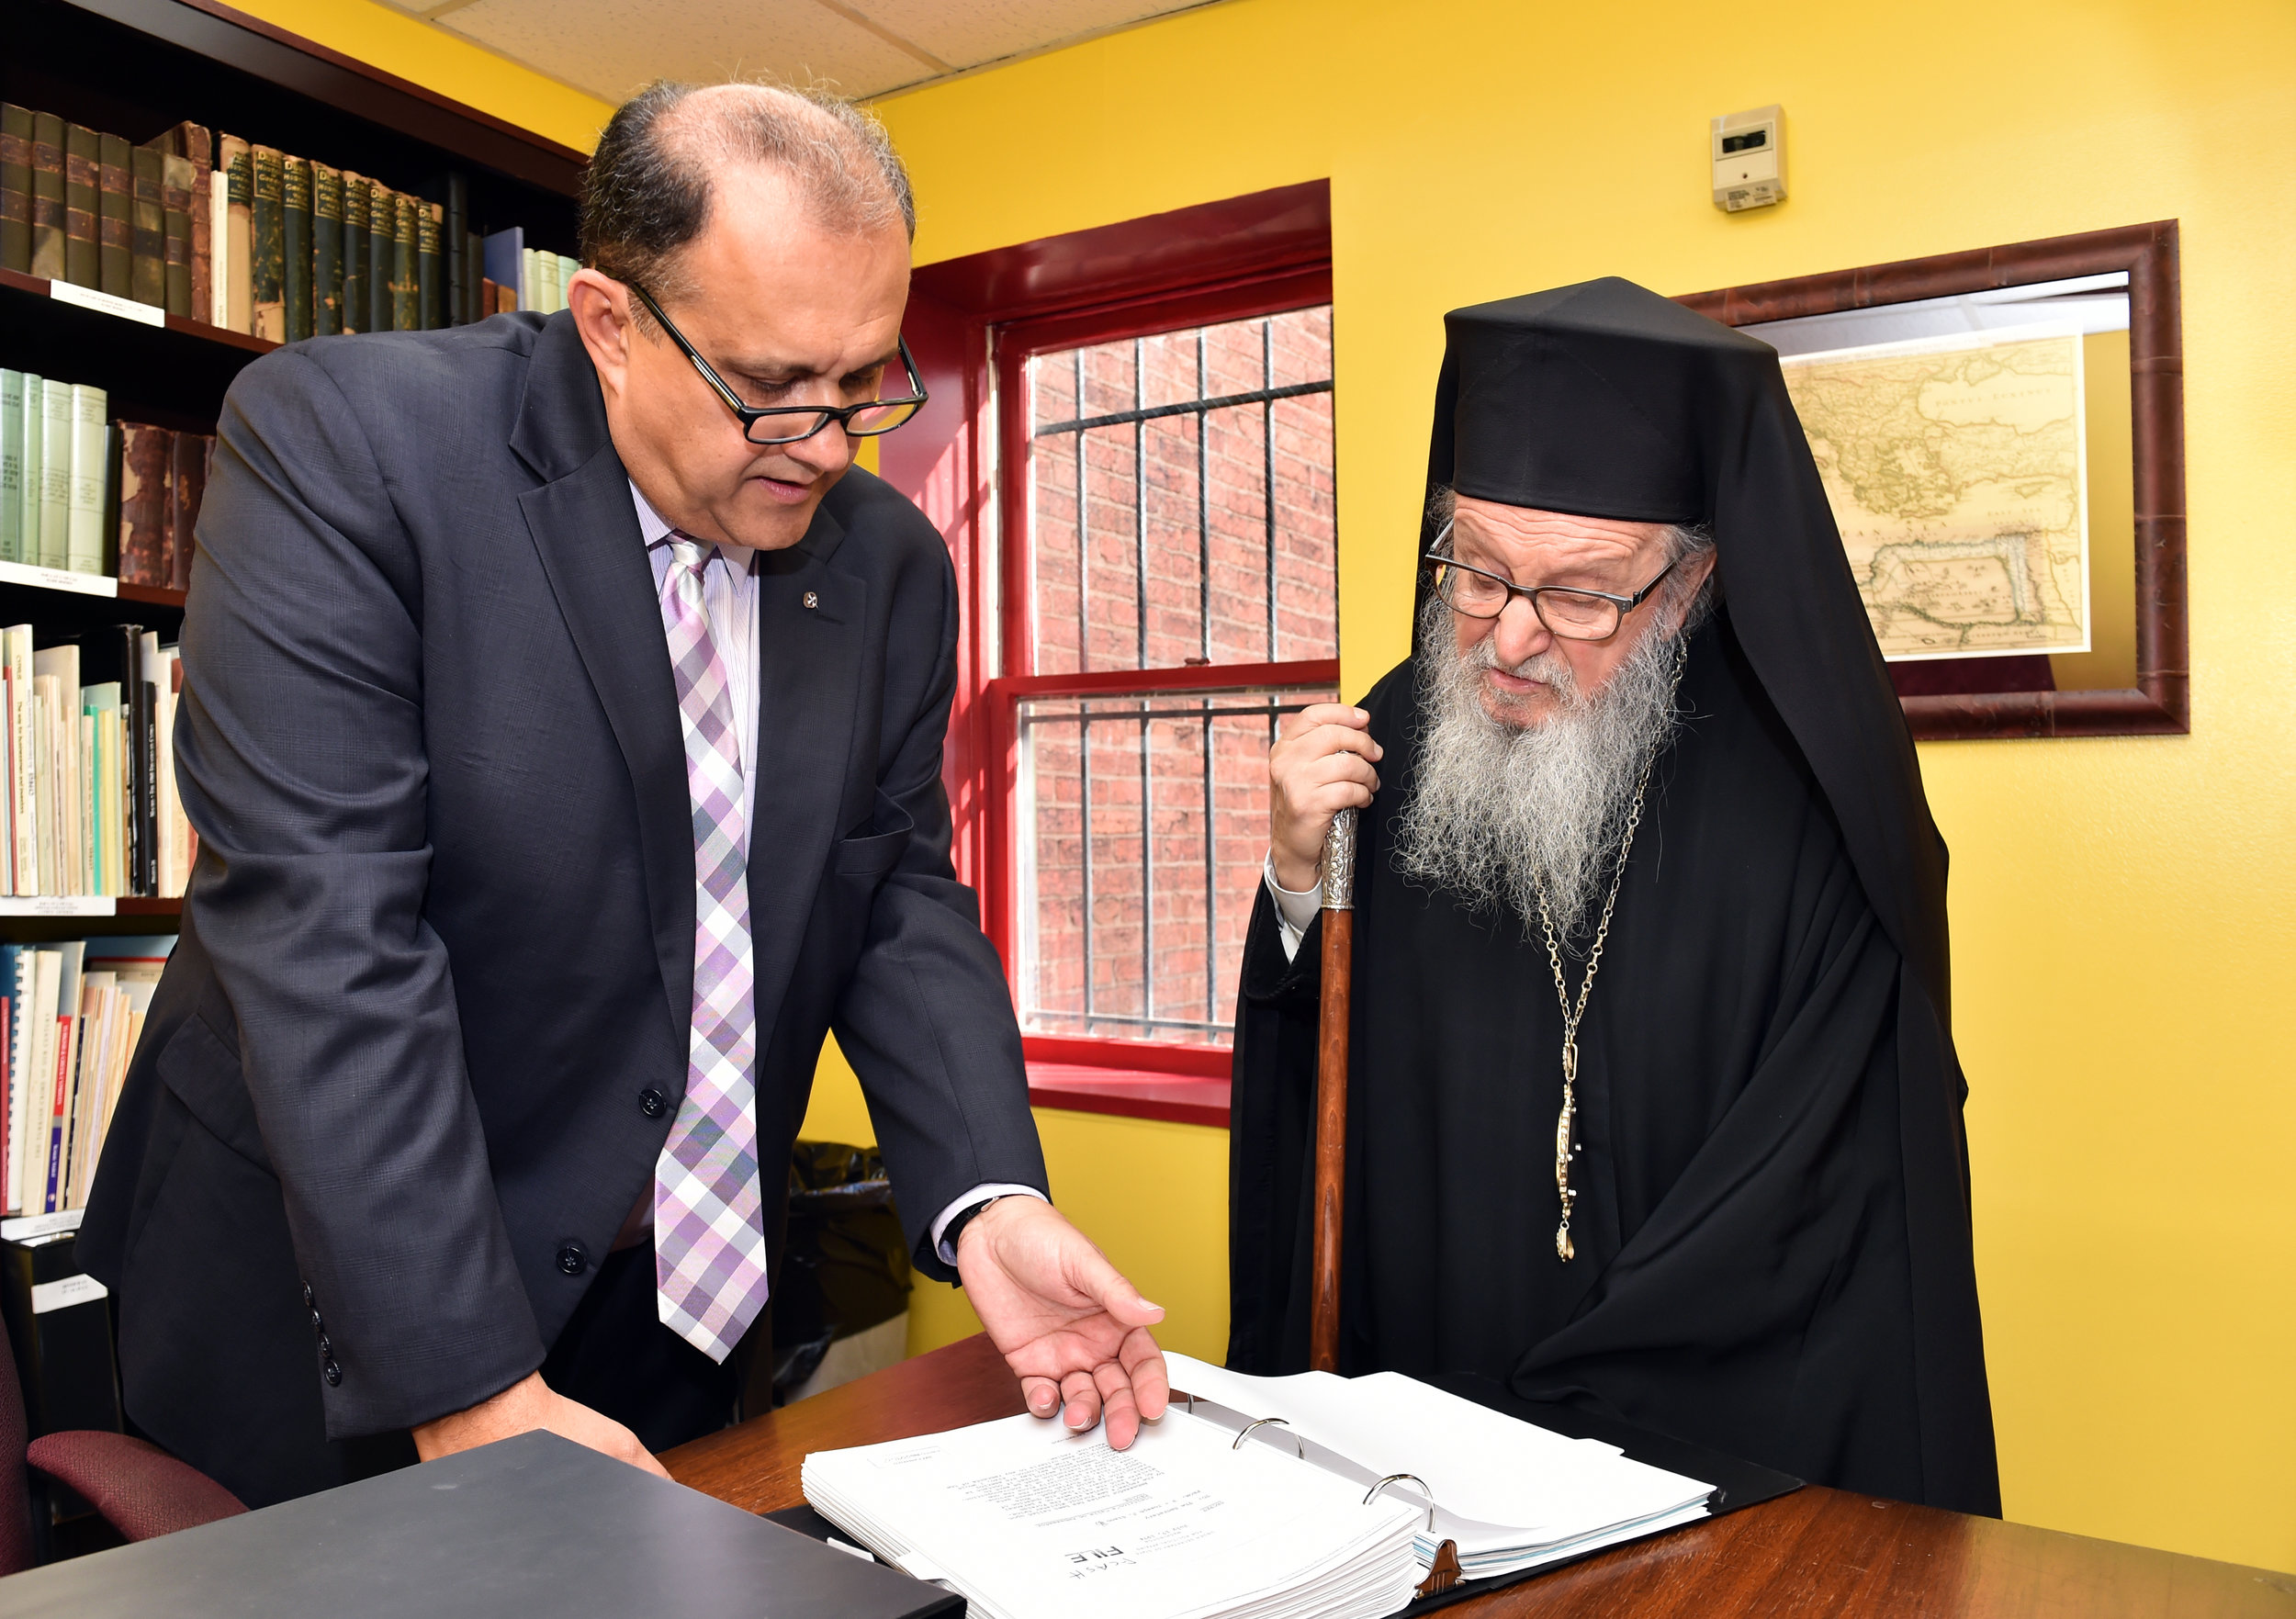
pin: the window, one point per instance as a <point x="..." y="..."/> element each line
<point x="1129" y="449"/>
<point x="1169" y="593"/>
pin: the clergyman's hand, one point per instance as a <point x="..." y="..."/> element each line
<point x="526" y="1405"/>
<point x="1320" y="765"/>
<point x="1072" y="1329"/>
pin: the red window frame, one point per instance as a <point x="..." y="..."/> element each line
<point x="972" y="324"/>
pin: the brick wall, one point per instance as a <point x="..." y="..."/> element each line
<point x="1176" y="510"/>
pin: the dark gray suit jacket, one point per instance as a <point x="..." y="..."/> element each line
<point x="426" y="1030"/>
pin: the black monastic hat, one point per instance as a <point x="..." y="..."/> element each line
<point x="1606" y="400"/>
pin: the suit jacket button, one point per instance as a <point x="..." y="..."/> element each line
<point x="333" y="1374"/>
<point x="326" y="1349"/>
<point x="652" y="1103"/>
<point x="573" y="1258"/>
<point x="311" y="1299"/>
<point x="317" y="1325"/>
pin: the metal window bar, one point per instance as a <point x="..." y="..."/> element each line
<point x="1203" y="639"/>
<point x="1084" y="647"/>
<point x="1267" y="466"/>
<point x="1153" y="707"/>
<point x="1290" y="390"/>
<point x="1147" y="804"/>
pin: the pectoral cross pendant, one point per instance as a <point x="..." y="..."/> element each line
<point x="1564" y="1123"/>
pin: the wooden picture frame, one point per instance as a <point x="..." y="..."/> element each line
<point x="2160" y="702"/>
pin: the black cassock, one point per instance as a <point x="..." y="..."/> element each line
<point x="1771" y="1232"/>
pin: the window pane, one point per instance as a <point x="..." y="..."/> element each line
<point x="1154" y="541"/>
<point x="1132" y="923"/>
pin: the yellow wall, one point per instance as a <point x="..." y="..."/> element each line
<point x="2121" y="907"/>
<point x="436" y="60"/>
<point x="1154" y="1195"/>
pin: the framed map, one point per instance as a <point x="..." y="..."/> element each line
<point x="2000" y="435"/>
<point x="1955" y="466"/>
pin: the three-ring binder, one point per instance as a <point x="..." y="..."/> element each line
<point x="1443" y="1572"/>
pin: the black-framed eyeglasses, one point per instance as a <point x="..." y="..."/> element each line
<point x="1573" y="614"/>
<point x="786" y="424"/>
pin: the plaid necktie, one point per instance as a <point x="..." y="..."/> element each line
<point x="709" y="1237"/>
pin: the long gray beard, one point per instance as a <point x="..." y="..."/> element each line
<point x="1507" y="815"/>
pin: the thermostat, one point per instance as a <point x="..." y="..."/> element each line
<point x="1748" y="159"/>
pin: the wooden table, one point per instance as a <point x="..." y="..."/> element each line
<point x="1814" y="1552"/>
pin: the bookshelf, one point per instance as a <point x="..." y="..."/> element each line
<point x="135" y="69"/>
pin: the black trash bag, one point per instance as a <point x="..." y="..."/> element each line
<point x="846" y="1265"/>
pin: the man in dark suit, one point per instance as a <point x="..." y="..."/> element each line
<point x="563" y="731"/>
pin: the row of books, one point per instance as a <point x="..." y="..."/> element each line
<point x="239" y="235"/>
<point x="86" y="495"/>
<point x="541" y="277"/>
<point x="70" y="1016"/>
<point x="91" y="805"/>
<point x="90" y="209"/>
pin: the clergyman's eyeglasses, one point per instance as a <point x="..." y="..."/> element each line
<point x="1573" y="616"/>
<point x="786" y="424"/>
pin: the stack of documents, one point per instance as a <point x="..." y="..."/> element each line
<point x="1028" y="1521"/>
<point x="1255" y="1497"/>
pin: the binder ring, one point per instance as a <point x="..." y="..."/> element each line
<point x="1265" y="1421"/>
<point x="1372" y="1493"/>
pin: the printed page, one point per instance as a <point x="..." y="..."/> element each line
<point x="1029" y="1522"/>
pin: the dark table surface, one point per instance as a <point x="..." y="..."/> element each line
<point x="1812" y="1553"/>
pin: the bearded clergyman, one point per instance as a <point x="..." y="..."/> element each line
<point x="1653" y="1108"/>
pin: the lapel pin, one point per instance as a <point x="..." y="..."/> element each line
<point x="813" y="600"/>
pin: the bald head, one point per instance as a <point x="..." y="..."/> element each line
<point x="652" y="180"/>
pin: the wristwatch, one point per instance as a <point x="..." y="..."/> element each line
<point x="955" y="1228"/>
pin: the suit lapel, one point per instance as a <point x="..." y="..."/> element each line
<point x="809" y="670"/>
<point x="585" y="529"/>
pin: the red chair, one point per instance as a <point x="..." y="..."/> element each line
<point x="138" y="1488"/>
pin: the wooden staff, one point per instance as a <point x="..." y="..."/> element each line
<point x="1331" y="1085"/>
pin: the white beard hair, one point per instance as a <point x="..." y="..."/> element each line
<point x="1507" y="815"/>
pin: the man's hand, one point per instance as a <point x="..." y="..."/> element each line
<point x="1320" y="765"/>
<point x="1074" y="1331"/>
<point x="525" y="1406"/>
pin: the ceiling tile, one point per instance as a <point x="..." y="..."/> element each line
<point x="966" y="33"/>
<point x="611" y="48"/>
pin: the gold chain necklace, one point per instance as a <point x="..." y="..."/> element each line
<point x="1567" y="1119"/>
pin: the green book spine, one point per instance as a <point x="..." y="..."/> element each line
<point x="15" y="188"/>
<point x="357" y="202"/>
<point x="11" y="468"/>
<point x="177" y="178"/>
<point x="265" y="262"/>
<point x="83" y="207"/>
<point x="406" y="311"/>
<point x="382" y="228"/>
<point x="115" y="245"/>
<point x="196" y="144"/>
<point x="148" y="236"/>
<point x="29" y="450"/>
<point x="55" y="475"/>
<point x="428" y="270"/>
<point x="326" y="250"/>
<point x="84" y="542"/>
<point x="295" y="244"/>
<point x="48" y="195"/>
